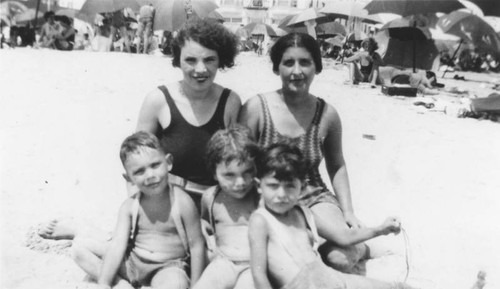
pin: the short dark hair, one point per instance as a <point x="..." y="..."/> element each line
<point x="230" y="144"/>
<point x="210" y="34"/>
<point x="296" y="40"/>
<point x="48" y="14"/>
<point x="371" y="42"/>
<point x="284" y="160"/>
<point x="136" y="141"/>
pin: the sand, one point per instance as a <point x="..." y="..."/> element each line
<point x="63" y="116"/>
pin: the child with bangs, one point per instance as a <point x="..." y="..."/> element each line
<point x="226" y="209"/>
<point x="283" y="236"/>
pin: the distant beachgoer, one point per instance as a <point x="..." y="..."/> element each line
<point x="293" y="114"/>
<point x="158" y="230"/>
<point x="65" y="40"/>
<point x="364" y="65"/>
<point x="49" y="30"/>
<point x="145" y="28"/>
<point x="283" y="235"/>
<point x="119" y="25"/>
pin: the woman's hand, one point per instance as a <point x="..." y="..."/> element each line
<point x="352" y="221"/>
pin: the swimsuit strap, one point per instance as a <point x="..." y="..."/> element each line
<point x="219" y="110"/>
<point x="319" y="111"/>
<point x="176" y="215"/>
<point x="174" y="111"/>
<point x="268" y="133"/>
<point x="135" y="212"/>
<point x="208" y="198"/>
<point x="282" y="237"/>
<point x="312" y="225"/>
<point x="217" y="117"/>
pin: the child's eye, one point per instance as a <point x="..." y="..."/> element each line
<point x="155" y="165"/>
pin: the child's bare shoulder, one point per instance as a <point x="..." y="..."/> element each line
<point x="183" y="200"/>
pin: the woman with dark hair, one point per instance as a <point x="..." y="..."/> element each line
<point x="294" y="115"/>
<point x="184" y="114"/>
<point x="364" y="65"/>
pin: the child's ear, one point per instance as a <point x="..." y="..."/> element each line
<point x="126" y="177"/>
<point x="170" y="161"/>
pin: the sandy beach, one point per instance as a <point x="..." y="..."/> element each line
<point x="63" y="116"/>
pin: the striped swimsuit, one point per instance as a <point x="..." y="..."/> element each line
<point x="310" y="145"/>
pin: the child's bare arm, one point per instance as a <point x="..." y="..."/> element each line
<point x="116" y="251"/>
<point x="191" y="220"/>
<point x="258" y="236"/>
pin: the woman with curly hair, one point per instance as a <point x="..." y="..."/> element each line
<point x="364" y="65"/>
<point x="184" y="114"/>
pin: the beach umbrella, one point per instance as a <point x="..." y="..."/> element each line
<point x="336" y="40"/>
<point x="27" y="16"/>
<point x="345" y="9"/>
<point x="260" y="29"/>
<point x="307" y="15"/>
<point x="489" y="7"/>
<point x="330" y="29"/>
<point x="170" y="15"/>
<point x="217" y="16"/>
<point x="412" y="7"/>
<point x="356" y="36"/>
<point x="472" y="29"/>
<point x="11" y="8"/>
<point x="92" y="7"/>
<point x="68" y="12"/>
<point x="402" y="43"/>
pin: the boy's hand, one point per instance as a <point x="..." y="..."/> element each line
<point x="391" y="225"/>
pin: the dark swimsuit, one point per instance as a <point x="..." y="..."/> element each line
<point x="187" y="143"/>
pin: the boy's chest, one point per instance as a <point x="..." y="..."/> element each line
<point x="232" y="214"/>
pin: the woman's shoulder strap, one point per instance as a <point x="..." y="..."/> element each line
<point x="170" y="101"/>
<point x="312" y="225"/>
<point x="319" y="110"/>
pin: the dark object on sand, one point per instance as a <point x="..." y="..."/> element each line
<point x="399" y="90"/>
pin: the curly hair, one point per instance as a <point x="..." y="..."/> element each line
<point x="230" y="144"/>
<point x="284" y="160"/>
<point x="296" y="40"/>
<point x="371" y="43"/>
<point x="210" y="34"/>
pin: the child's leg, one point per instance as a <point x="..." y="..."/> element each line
<point x="354" y="73"/>
<point x="88" y="254"/>
<point x="58" y="230"/>
<point x="170" y="278"/>
<point x="343" y="259"/>
<point x="245" y="280"/>
<point x="360" y="282"/>
<point x="219" y="274"/>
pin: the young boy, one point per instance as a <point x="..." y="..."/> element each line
<point x="157" y="229"/>
<point x="283" y="236"/>
<point x="227" y="208"/>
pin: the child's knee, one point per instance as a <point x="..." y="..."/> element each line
<point x="342" y="259"/>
